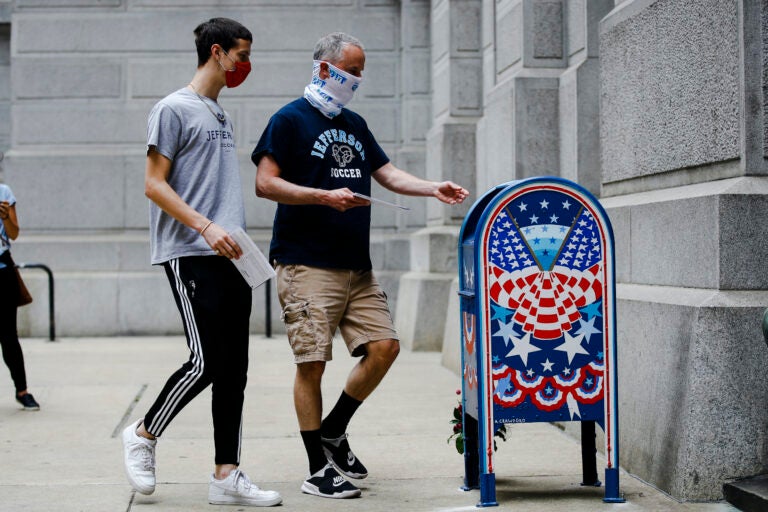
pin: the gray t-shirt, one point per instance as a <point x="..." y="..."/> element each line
<point x="204" y="172"/>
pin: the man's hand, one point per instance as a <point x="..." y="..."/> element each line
<point x="401" y="182"/>
<point x="221" y="242"/>
<point x="4" y="207"/>
<point x="342" y="199"/>
<point x="451" y="193"/>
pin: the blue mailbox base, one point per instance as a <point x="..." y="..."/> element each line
<point x="612" y="486"/>
<point x="488" y="490"/>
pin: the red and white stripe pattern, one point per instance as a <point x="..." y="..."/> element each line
<point x="546" y="302"/>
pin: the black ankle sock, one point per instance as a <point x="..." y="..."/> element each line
<point x="314" y="449"/>
<point x="335" y="424"/>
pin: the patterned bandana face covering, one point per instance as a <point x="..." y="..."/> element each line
<point x="331" y="95"/>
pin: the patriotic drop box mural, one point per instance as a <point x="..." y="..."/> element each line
<point x="538" y="318"/>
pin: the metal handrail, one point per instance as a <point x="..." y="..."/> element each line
<point x="268" y="308"/>
<point x="765" y="325"/>
<point x="51" y="307"/>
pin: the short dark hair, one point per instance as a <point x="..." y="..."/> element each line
<point x="222" y="31"/>
<point x="331" y="46"/>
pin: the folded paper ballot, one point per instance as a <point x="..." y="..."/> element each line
<point x="380" y="201"/>
<point x="252" y="264"/>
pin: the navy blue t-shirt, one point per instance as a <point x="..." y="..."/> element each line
<point x="314" y="151"/>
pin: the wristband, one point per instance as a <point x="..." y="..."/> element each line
<point x="206" y="227"/>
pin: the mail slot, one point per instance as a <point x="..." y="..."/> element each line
<point x="538" y="322"/>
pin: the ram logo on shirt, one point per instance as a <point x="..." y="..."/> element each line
<point x="327" y="139"/>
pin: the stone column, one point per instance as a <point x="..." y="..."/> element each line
<point x="683" y="147"/>
<point x="456" y="67"/>
<point x="579" y="96"/>
<point x="524" y="54"/>
<point x="415" y="99"/>
<point x="540" y="99"/>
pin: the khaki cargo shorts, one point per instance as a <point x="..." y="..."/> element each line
<point x="317" y="301"/>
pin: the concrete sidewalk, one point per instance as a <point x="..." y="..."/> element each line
<point x="68" y="456"/>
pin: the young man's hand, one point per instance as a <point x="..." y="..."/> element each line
<point x="221" y="242"/>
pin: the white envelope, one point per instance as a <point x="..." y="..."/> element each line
<point x="252" y="264"/>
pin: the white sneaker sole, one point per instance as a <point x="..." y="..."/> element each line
<point x="308" y="488"/>
<point x="223" y="499"/>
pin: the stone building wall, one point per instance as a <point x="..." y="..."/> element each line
<point x="84" y="75"/>
<point x="682" y="130"/>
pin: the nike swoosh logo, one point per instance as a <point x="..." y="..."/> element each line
<point x="350" y="458"/>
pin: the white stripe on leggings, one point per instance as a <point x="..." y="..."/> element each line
<point x="162" y="418"/>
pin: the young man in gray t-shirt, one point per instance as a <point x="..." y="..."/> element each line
<point x="193" y="182"/>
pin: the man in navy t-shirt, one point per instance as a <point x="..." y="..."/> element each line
<point x="325" y="155"/>
<point x="312" y="158"/>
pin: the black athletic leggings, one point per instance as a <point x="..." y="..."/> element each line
<point x="215" y="305"/>
<point x="9" y="338"/>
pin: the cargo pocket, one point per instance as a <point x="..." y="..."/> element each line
<point x="299" y="327"/>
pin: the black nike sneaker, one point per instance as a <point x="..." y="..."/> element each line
<point x="328" y="483"/>
<point x="338" y="453"/>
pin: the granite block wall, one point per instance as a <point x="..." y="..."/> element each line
<point x="683" y="178"/>
<point x="687" y="397"/>
<point x="680" y="91"/>
<point x="77" y="80"/>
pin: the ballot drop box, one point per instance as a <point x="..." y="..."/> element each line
<point x="538" y="322"/>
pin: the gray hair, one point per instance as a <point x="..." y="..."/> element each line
<point x="331" y="46"/>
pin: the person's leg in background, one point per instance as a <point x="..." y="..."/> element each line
<point x="9" y="338"/>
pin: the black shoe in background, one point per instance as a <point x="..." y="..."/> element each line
<point x="28" y="401"/>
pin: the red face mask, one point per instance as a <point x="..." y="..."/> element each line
<point x="235" y="77"/>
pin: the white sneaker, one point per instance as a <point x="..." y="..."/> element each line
<point x="139" y="455"/>
<point x="237" y="489"/>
